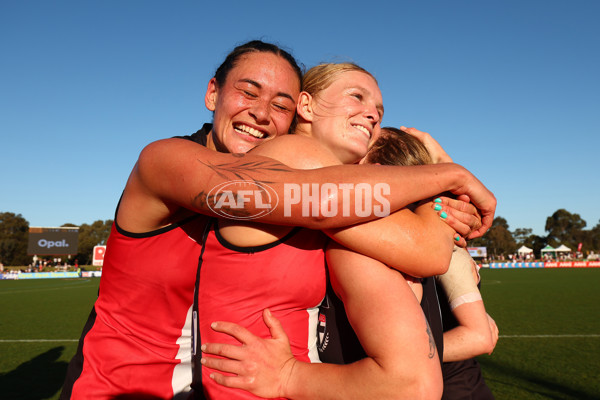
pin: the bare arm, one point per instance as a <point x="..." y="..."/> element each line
<point x="477" y="333"/>
<point x="393" y="240"/>
<point x="402" y="359"/>
<point x="390" y="240"/>
<point x="175" y="173"/>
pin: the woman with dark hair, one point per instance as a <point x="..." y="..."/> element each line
<point x="137" y="339"/>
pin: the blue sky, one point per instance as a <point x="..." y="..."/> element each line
<point x="511" y="89"/>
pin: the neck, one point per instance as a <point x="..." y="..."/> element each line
<point x="303" y="129"/>
<point x="210" y="143"/>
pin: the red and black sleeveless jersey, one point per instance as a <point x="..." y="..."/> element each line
<point x="137" y="340"/>
<point x="238" y="283"/>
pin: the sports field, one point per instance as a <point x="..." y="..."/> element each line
<point x="549" y="322"/>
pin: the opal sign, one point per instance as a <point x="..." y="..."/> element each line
<point x="52" y="241"/>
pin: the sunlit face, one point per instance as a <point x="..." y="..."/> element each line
<point x="256" y="103"/>
<point x="347" y="115"/>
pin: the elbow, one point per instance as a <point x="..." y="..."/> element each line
<point x="441" y="265"/>
<point x="329" y="212"/>
<point x="440" y="261"/>
<point x="422" y="383"/>
<point x="440" y="255"/>
<point x="445" y="256"/>
<point x="489" y="345"/>
<point x="427" y="387"/>
<point x="309" y="215"/>
<point x="321" y="222"/>
<point x="435" y="260"/>
<point x="420" y="270"/>
<point x="485" y="344"/>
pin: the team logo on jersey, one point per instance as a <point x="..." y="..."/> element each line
<point x="322" y="333"/>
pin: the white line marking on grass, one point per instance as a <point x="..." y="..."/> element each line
<point x="79" y="285"/>
<point x="36" y="340"/>
<point x="549" y="336"/>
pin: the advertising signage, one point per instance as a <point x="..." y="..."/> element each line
<point x="98" y="256"/>
<point x="52" y="241"/>
<point x="477" y="251"/>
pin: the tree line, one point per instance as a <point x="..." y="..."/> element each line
<point x="562" y="227"/>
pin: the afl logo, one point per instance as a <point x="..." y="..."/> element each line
<point x="242" y="200"/>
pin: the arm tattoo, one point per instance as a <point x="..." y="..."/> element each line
<point x="432" y="347"/>
<point x="241" y="170"/>
<point x="246" y="170"/>
<point x="204" y="201"/>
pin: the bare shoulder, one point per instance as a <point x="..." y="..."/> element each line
<point x="160" y="149"/>
<point x="176" y="159"/>
<point x="296" y="151"/>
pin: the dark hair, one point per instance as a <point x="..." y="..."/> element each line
<point x="252" y="47"/>
<point x="396" y="147"/>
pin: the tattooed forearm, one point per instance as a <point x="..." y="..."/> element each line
<point x="246" y="170"/>
<point x="204" y="201"/>
<point x="244" y="191"/>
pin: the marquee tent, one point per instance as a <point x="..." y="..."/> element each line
<point x="563" y="249"/>
<point x="523" y="250"/>
<point x="560" y="249"/>
<point x="549" y="249"/>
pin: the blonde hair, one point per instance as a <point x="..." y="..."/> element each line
<point x="396" y="147"/>
<point x="319" y="77"/>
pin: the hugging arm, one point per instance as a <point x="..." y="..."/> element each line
<point x="176" y="173"/>
<point x="457" y="207"/>
<point x="435" y="150"/>
<point x="391" y="239"/>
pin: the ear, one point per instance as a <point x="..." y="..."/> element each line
<point x="210" y="98"/>
<point x="304" y="108"/>
<point x="365" y="161"/>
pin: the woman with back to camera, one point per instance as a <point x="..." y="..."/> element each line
<point x="468" y="330"/>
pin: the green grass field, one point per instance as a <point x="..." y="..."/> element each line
<point x="549" y="345"/>
<point x="40" y="322"/>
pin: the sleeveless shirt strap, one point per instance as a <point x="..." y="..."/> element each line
<point x="196" y="340"/>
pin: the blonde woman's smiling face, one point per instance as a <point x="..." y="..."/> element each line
<point x="347" y="115"/>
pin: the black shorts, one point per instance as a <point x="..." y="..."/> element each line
<point x="463" y="381"/>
